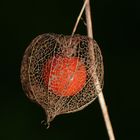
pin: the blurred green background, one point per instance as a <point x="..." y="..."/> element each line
<point x="116" y="31"/>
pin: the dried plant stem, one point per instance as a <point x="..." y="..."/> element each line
<point x="100" y="96"/>
<point x="79" y="17"/>
<point x="101" y="99"/>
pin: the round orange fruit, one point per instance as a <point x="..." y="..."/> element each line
<point x="64" y="76"/>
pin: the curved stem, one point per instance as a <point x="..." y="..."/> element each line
<point x="79" y="17"/>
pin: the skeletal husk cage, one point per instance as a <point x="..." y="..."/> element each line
<point x="57" y="72"/>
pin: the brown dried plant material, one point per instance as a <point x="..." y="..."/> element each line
<point x="48" y="47"/>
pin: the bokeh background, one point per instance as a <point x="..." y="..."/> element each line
<point x="116" y="26"/>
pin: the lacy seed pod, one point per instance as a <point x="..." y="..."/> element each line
<point x="57" y="72"/>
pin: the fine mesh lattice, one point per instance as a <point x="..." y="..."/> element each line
<point x="54" y="52"/>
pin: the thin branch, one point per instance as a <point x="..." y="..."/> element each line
<point x="79" y="17"/>
<point x="88" y="20"/>
<point x="103" y="106"/>
<point x="98" y="88"/>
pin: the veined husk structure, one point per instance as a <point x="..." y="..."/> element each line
<point x="48" y="47"/>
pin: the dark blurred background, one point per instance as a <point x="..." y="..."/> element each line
<point x="116" y="26"/>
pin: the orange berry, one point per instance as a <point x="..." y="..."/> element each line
<point x="64" y="76"/>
